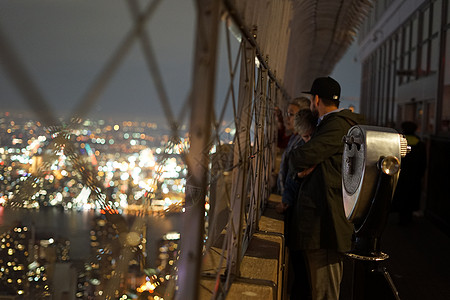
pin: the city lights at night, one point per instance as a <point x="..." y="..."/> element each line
<point x="137" y="173"/>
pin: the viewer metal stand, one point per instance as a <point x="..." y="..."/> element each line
<point x="371" y="165"/>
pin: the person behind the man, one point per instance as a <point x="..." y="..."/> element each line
<point x="286" y="124"/>
<point x="293" y="107"/>
<point x="304" y="125"/>
<point x="299" y="289"/>
<point x="319" y="227"/>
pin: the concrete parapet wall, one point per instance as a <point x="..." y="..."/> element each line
<point x="263" y="266"/>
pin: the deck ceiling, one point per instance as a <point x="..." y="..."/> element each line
<point x="302" y="39"/>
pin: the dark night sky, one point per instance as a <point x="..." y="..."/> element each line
<point x="64" y="45"/>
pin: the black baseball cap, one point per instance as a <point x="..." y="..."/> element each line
<point x="325" y="87"/>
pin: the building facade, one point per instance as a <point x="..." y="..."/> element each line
<point x="404" y="49"/>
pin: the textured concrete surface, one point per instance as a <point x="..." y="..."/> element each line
<point x="262" y="266"/>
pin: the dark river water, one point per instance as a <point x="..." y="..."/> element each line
<point x="76" y="225"/>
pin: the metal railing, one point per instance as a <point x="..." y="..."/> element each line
<point x="249" y="164"/>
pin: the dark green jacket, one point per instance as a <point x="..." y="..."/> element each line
<point x="319" y="220"/>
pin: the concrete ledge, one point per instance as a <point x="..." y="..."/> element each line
<point x="262" y="269"/>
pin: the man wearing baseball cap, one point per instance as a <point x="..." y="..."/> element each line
<point x="320" y="230"/>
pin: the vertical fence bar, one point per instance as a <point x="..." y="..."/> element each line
<point x="251" y="211"/>
<point x="241" y="158"/>
<point x="202" y="99"/>
<point x="272" y="132"/>
<point x="269" y="133"/>
<point x="270" y="122"/>
<point x="261" y="167"/>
